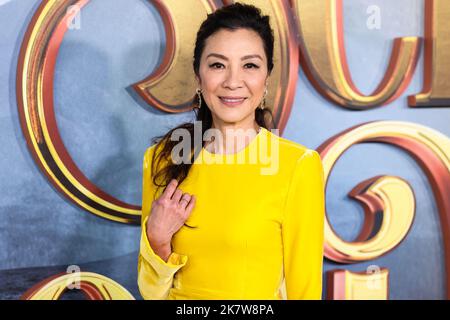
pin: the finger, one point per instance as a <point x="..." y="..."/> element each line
<point x="191" y="204"/>
<point x="170" y="188"/>
<point x="177" y="195"/>
<point x="185" y="200"/>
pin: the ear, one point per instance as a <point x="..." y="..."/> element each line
<point x="197" y="79"/>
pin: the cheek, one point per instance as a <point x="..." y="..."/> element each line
<point x="211" y="82"/>
<point x="257" y="85"/>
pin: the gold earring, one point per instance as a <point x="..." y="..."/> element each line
<point x="263" y="103"/>
<point x="198" y="91"/>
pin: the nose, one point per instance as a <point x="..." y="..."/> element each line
<point x="233" y="79"/>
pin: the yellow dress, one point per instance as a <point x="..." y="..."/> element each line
<point x="259" y="226"/>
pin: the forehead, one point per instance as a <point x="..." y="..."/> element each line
<point x="231" y="43"/>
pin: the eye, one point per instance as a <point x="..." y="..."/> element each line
<point x="216" y="65"/>
<point x="252" y="65"/>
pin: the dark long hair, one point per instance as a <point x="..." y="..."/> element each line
<point x="231" y="17"/>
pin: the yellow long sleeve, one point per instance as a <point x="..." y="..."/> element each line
<point x="155" y="276"/>
<point x="303" y="229"/>
<point x="255" y="226"/>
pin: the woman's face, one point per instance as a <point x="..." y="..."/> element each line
<point x="233" y="65"/>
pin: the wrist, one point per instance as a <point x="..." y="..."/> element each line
<point x="157" y="241"/>
<point x="163" y="251"/>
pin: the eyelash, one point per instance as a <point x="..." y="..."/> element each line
<point x="254" y="66"/>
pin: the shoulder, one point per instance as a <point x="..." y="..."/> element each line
<point x="154" y="160"/>
<point x="149" y="156"/>
<point x="294" y="152"/>
<point x="150" y="151"/>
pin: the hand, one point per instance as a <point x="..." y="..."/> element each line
<point x="167" y="216"/>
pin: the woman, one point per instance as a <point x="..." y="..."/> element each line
<point x="221" y="229"/>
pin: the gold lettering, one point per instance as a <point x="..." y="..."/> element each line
<point x="436" y="81"/>
<point x="324" y="61"/>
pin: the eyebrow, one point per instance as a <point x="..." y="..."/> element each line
<point x="225" y="58"/>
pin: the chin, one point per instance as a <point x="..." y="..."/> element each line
<point x="230" y="116"/>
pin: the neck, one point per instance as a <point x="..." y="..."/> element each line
<point x="232" y="138"/>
